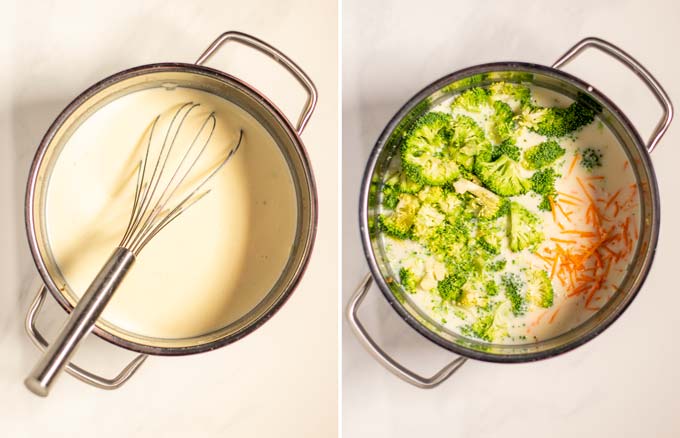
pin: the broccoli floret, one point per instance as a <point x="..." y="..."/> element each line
<point x="399" y="223"/>
<point x="472" y="99"/>
<point x="507" y="148"/>
<point x="426" y="222"/>
<point x="390" y="197"/>
<point x="431" y="194"/>
<point x="558" y="122"/>
<point x="524" y="230"/>
<point x="487" y="327"/>
<point x="514" y="94"/>
<point x="450" y="288"/>
<point x="426" y="154"/>
<point x="449" y="241"/>
<point x="543" y="183"/>
<point x="489" y="237"/>
<point x="502" y="176"/>
<point x="591" y="158"/>
<point x="503" y="124"/>
<point x="401" y="183"/>
<point x="491" y="288"/>
<point x="496" y="265"/>
<point x="408" y="280"/>
<point x="474" y="295"/>
<point x="539" y="288"/>
<point x="512" y="286"/>
<point x="489" y="202"/>
<point x="450" y="204"/>
<point x="469" y="140"/>
<point x="543" y="154"/>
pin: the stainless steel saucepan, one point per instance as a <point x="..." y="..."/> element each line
<point x="195" y="76"/>
<point x="387" y="147"/>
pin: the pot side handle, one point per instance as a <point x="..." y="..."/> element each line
<point x="638" y="69"/>
<point x="74" y="370"/>
<point x="278" y="56"/>
<point x="385" y="359"/>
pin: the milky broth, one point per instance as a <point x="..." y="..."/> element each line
<point x="574" y="300"/>
<point x="211" y="265"/>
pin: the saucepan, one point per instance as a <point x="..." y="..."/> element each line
<point x="386" y="148"/>
<point x="194" y="76"/>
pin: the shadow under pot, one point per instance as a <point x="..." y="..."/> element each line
<point x="186" y="296"/>
<point x="382" y="162"/>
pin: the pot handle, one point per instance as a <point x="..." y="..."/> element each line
<point x="286" y="62"/>
<point x="385" y="359"/>
<point x="74" y="370"/>
<point x="638" y="69"/>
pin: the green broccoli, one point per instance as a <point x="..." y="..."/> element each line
<point x="502" y="176"/>
<point x="489" y="202"/>
<point x="591" y="158"/>
<point x="514" y="94"/>
<point x="556" y="121"/>
<point x="541" y="155"/>
<point x="450" y="288"/>
<point x="502" y="122"/>
<point x="489" y="237"/>
<point x="472" y="99"/>
<point x="487" y="327"/>
<point x="524" y="230"/>
<point x="431" y="194"/>
<point x="539" y="288"/>
<point x="426" y="153"/>
<point x="399" y="223"/>
<point x="491" y="288"/>
<point x="496" y="265"/>
<point x="543" y="183"/>
<point x="507" y="148"/>
<point x="513" y="285"/>
<point x="390" y="197"/>
<point x="450" y="204"/>
<point x="408" y="280"/>
<point x="401" y="183"/>
<point x="469" y="140"/>
<point x="427" y="220"/>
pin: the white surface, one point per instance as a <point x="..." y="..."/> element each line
<point x="280" y="380"/>
<point x="624" y="383"/>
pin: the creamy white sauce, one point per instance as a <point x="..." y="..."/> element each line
<point x="602" y="182"/>
<point x="210" y="266"/>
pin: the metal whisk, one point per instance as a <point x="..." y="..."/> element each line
<point x="167" y="184"/>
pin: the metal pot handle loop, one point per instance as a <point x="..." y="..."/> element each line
<point x="638" y="69"/>
<point x="286" y="62"/>
<point x="385" y="359"/>
<point x="74" y="370"/>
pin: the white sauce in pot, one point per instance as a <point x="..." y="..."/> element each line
<point x="211" y="265"/>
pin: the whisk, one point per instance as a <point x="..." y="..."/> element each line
<point x="167" y="184"/>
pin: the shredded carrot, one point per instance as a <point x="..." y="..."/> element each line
<point x="612" y="199"/>
<point x="568" y="202"/>
<point x="585" y="192"/>
<point x="554" y="315"/>
<point x="568" y="195"/>
<point x="625" y="165"/>
<point x="581" y="233"/>
<point x="554" y="239"/>
<point x="573" y="164"/>
<point x="552" y="208"/>
<point x="592" y="178"/>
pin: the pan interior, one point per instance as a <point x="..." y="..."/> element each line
<point x="213" y="274"/>
<point x="387" y="149"/>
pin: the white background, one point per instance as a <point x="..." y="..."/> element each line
<point x="624" y="383"/>
<point x="279" y="381"/>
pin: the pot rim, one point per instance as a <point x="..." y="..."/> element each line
<point x="148" y="69"/>
<point x="365" y="230"/>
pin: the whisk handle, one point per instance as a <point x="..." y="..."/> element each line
<point x="81" y="322"/>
